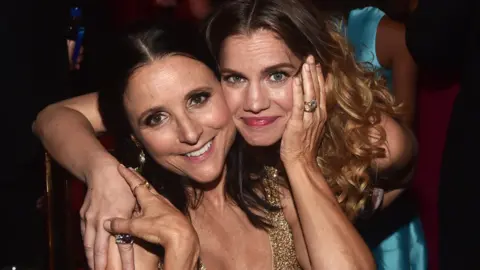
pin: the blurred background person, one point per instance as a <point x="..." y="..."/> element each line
<point x="443" y="37"/>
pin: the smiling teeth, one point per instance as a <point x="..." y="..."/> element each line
<point x="201" y="151"/>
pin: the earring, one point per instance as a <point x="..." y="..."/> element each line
<point x="141" y="160"/>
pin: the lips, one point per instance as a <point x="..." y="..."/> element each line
<point x="259" y="121"/>
<point x="201" y="154"/>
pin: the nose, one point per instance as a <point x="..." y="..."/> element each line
<point x="257" y="99"/>
<point x="189" y="130"/>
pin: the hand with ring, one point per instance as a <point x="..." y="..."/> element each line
<point x="302" y="136"/>
<point x="156" y="221"/>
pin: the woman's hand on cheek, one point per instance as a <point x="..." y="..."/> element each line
<point x="302" y="136"/>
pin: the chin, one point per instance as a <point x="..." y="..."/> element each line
<point x="206" y="175"/>
<point x="261" y="140"/>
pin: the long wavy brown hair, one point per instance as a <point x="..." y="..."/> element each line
<point x="356" y="100"/>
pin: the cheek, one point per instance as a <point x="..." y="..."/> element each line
<point x="158" y="144"/>
<point x="234" y="99"/>
<point x="283" y="97"/>
<point x="220" y="115"/>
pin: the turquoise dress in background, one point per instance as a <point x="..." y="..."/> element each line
<point x="405" y="249"/>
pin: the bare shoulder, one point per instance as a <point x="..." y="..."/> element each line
<point x="390" y="41"/>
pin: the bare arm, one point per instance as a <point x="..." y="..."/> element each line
<point x="322" y="233"/>
<point x="330" y="238"/>
<point x="320" y="228"/>
<point x="393" y="54"/>
<point x="68" y="132"/>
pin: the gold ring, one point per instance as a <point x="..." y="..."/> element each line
<point x="310" y="106"/>
<point x="145" y="183"/>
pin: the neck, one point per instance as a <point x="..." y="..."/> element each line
<point x="213" y="192"/>
<point x="264" y="155"/>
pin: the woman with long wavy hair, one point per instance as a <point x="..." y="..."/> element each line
<point x="396" y="235"/>
<point x="259" y="47"/>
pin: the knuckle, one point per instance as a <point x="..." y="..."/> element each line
<point x="100" y="252"/>
<point x="82" y="212"/>
<point x="125" y="248"/>
<point x="298" y="107"/>
<point x="88" y="248"/>
<point x="114" y="225"/>
<point x="82" y="216"/>
<point x="90" y="216"/>
<point x="136" y="227"/>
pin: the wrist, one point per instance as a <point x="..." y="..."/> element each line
<point x="183" y="254"/>
<point x="300" y="163"/>
<point x="188" y="244"/>
<point x="307" y="176"/>
<point x="98" y="162"/>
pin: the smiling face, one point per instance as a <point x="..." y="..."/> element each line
<point x="178" y="113"/>
<point x="257" y="75"/>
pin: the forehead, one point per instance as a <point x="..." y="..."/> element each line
<point x="260" y="48"/>
<point x="170" y="71"/>
<point x="167" y="79"/>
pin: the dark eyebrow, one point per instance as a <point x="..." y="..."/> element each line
<point x="273" y="68"/>
<point x="162" y="108"/>
<point x="266" y="70"/>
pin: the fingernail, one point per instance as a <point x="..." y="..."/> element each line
<point x="107" y="224"/>
<point x="121" y="165"/>
<point x="310" y="59"/>
<point x="306" y="67"/>
<point x="131" y="169"/>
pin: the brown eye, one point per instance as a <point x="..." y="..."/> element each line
<point x="199" y="99"/>
<point x="155" y="119"/>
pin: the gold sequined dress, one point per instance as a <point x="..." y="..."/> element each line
<point x="281" y="237"/>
